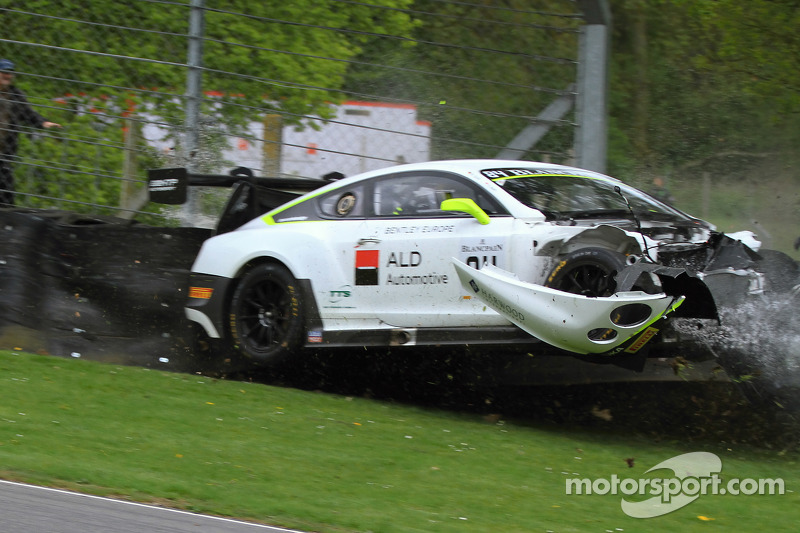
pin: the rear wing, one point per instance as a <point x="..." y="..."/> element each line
<point x="250" y="196"/>
<point x="170" y="185"/>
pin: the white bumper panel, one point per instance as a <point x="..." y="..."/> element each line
<point x="203" y="320"/>
<point x="568" y="321"/>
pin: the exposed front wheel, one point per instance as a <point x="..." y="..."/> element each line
<point x="588" y="272"/>
<point x="266" y="314"/>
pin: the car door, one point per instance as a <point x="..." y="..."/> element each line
<point x="402" y="255"/>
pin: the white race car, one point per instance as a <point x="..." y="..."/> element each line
<point x="463" y="252"/>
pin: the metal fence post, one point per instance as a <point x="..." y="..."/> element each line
<point x="591" y="135"/>
<point x="194" y="96"/>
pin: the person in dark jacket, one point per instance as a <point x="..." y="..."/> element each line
<point x="15" y="113"/>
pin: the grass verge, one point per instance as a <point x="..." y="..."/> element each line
<point x="323" y="462"/>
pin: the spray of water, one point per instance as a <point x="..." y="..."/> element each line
<point x="760" y="339"/>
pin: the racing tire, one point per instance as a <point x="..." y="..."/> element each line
<point x="266" y="315"/>
<point x="588" y="272"/>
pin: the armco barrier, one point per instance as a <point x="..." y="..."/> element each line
<point x="96" y="287"/>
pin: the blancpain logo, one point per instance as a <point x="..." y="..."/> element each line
<point x="482" y="248"/>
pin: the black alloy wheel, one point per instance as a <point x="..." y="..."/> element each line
<point x="266" y="314"/>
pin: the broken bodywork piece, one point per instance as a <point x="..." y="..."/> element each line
<point x="580" y="324"/>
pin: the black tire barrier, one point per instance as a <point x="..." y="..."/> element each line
<point x="96" y="287"/>
<point x="20" y="292"/>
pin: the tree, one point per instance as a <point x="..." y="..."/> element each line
<point x="124" y="57"/>
<point x="479" y="72"/>
<point x="698" y="79"/>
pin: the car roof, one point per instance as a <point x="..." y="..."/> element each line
<point x="470" y="168"/>
<point x="474" y="166"/>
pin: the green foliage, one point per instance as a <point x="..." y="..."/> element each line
<point x="135" y="54"/>
<point x="712" y="87"/>
<point x="476" y="73"/>
<point x="80" y="166"/>
<point x="756" y="42"/>
<point x="692" y="79"/>
<point x="75" y="165"/>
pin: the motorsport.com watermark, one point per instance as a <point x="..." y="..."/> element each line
<point x="695" y="474"/>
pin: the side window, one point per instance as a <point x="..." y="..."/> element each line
<point x="421" y="195"/>
<point x="343" y="203"/>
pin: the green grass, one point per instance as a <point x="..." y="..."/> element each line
<point x="324" y="462"/>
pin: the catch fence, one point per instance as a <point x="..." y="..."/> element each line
<point x="293" y="88"/>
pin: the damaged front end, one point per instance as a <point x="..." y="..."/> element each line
<point x="621" y="323"/>
<point x="725" y="265"/>
<point x="688" y="282"/>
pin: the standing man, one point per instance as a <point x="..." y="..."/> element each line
<point x="15" y="112"/>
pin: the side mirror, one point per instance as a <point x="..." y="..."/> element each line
<point x="465" y="205"/>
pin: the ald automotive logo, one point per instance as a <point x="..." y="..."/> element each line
<point x="693" y="475"/>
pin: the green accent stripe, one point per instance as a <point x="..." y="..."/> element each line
<point x="672" y="307"/>
<point x="269" y="217"/>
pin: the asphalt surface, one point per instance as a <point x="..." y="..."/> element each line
<point x="32" y="509"/>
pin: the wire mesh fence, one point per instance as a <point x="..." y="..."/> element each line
<point x="285" y="88"/>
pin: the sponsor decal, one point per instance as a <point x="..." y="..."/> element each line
<point x="435" y="228"/>
<point x="339" y="294"/>
<point x="500" y="173"/>
<point x="367" y="262"/>
<point x="497" y="303"/>
<point x="637" y="345"/>
<point x="411" y="259"/>
<point x="337" y="298"/>
<point x="345" y="204"/>
<point x="479" y="252"/>
<point x="167" y="184"/>
<point x="481" y="247"/>
<point x="203" y="293"/>
<point x="315" y="336"/>
<point x="506" y="173"/>
<point x="404" y="259"/>
<point x="425" y="279"/>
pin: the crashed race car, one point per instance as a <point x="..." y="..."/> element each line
<point x="464" y="252"/>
